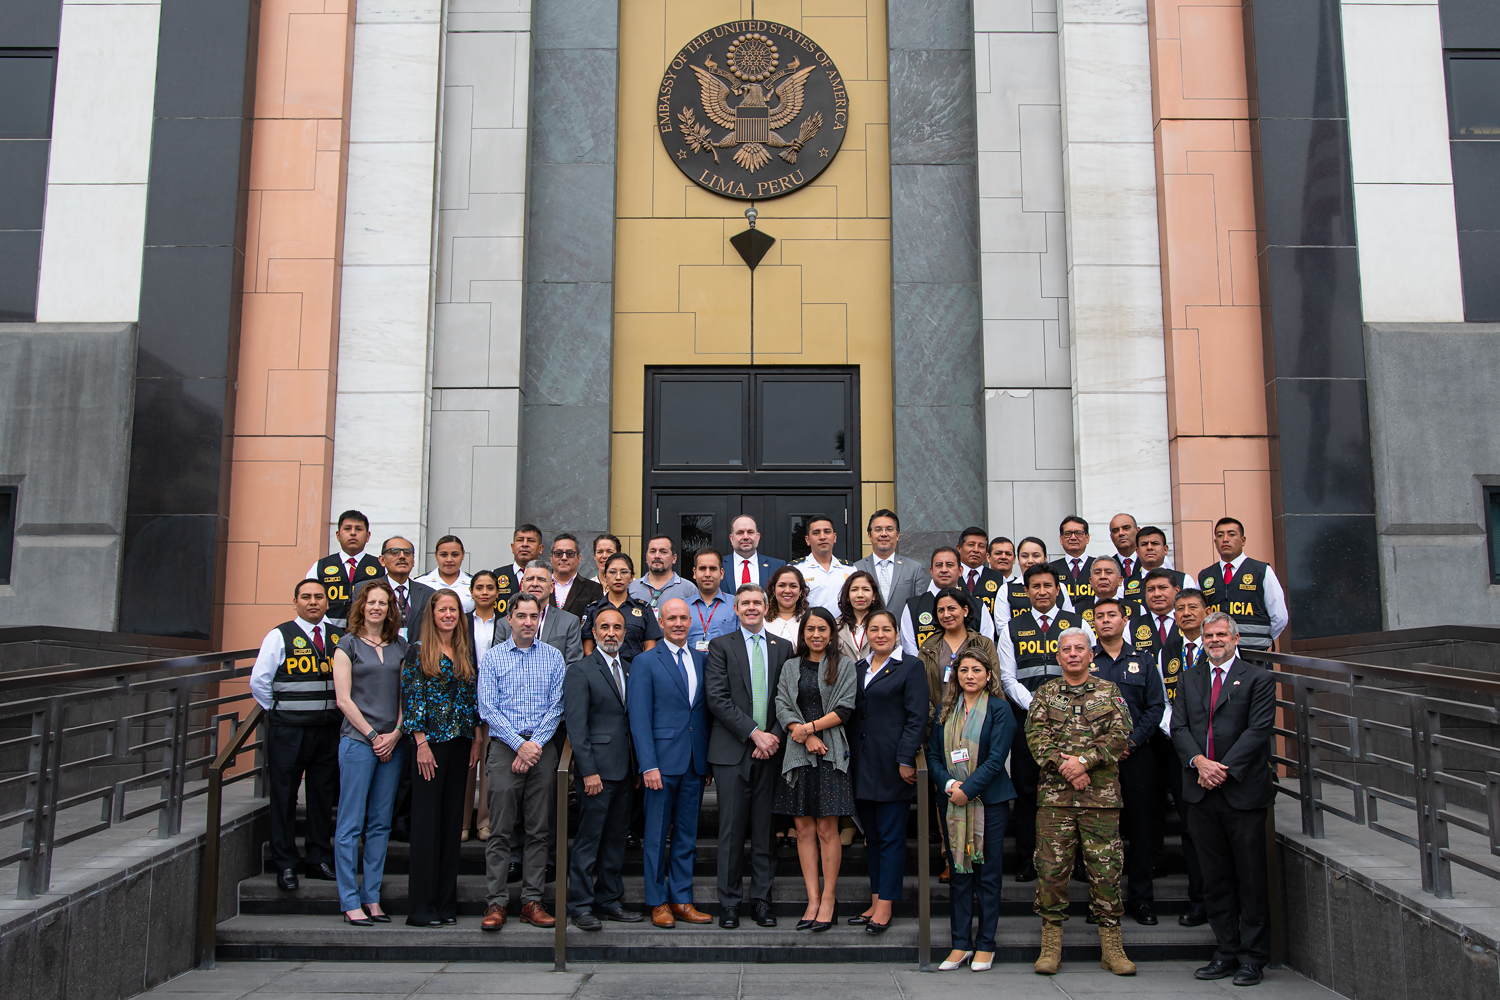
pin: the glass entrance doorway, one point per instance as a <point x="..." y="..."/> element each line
<point x="780" y="444"/>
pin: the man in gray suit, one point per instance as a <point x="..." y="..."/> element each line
<point x="397" y="555"/>
<point x="744" y="747"/>
<point x="900" y="578"/>
<point x="559" y="629"/>
<point x="594" y="709"/>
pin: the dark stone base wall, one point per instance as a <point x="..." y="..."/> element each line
<point x="1360" y="939"/>
<point x="129" y="932"/>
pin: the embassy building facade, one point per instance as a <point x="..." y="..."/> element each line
<point x="472" y="264"/>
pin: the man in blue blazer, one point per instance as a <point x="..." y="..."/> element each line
<point x="669" y="726"/>
<point x="747" y="565"/>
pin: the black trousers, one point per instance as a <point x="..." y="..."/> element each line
<point x="292" y="753"/>
<point x="1024" y="774"/>
<point x="599" y="846"/>
<point x="1171" y="776"/>
<point x="437" y="819"/>
<point x="746" y="792"/>
<point x="1138" y="821"/>
<point x="1232" y="849"/>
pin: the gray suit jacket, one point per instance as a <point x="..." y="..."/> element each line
<point x="909" y="579"/>
<point x="726" y="689"/>
<point x="596" y="719"/>
<point x="560" y="630"/>
<point x="417" y="596"/>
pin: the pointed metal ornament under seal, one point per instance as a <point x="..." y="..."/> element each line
<point x="752" y="244"/>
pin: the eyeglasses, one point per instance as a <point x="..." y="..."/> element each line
<point x="564" y="553"/>
<point x="397" y="552"/>
<point x="1074" y="534"/>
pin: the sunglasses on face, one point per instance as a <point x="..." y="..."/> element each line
<point x="564" y="554"/>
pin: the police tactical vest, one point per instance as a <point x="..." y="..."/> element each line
<point x="508" y="586"/>
<point x="1244" y="600"/>
<point x="1020" y="601"/>
<point x="340" y="589"/>
<point x="1169" y="657"/>
<point x="1081" y="592"/>
<point x="1036" y="654"/>
<point x="924" y="616"/>
<point x="302" y="687"/>
<point x="1135" y="587"/>
<point x="1141" y="632"/>
<point x="987" y="588"/>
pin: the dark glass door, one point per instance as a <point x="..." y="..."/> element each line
<point x="693" y="520"/>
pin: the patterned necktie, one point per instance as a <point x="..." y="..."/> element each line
<point x="317" y="637"/>
<point x="883" y="572"/>
<point x="614" y="668"/>
<point x="350" y="561"/>
<point x="1213" y="702"/>
<point x="745" y="571"/>
<point x="758" y="682"/>
<point x="1128" y="564"/>
<point x="401" y="600"/>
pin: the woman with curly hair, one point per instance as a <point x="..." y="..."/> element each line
<point x="788" y="598"/>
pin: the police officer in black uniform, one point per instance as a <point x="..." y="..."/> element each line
<point x="975" y="577"/>
<point x="1151" y="549"/>
<point x="341" y="571"/>
<point x="642" y="630"/>
<point x="1245" y="589"/>
<point x="919" y="618"/>
<point x="1183" y="651"/>
<point x="525" y="545"/>
<point x="1027" y="649"/>
<point x="1074" y="566"/>
<point x="1134" y="673"/>
<point x="1104" y="581"/>
<point x="293" y="681"/>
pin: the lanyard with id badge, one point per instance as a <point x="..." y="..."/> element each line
<point x="702" y="644"/>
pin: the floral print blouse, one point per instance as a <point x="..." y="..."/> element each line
<point x="442" y="707"/>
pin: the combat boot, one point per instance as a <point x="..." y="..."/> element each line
<point x="1050" y="960"/>
<point x="1113" y="952"/>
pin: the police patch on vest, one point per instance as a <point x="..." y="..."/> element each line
<point x="369" y="571"/>
<point x="1062" y="623"/>
<point x="925" y="618"/>
<point x="1174" y="665"/>
<point x="991" y="586"/>
<point x="1133" y="669"/>
<point x="1247" y="578"/>
<point x="636" y="612"/>
<point x="299" y="642"/>
<point x="1143" y="634"/>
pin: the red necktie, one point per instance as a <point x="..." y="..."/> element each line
<point x="745" y="571"/>
<point x="318" y="639"/>
<point x="972" y="574"/>
<point x="1228" y="574"/>
<point x="350" y="560"/>
<point x="1161" y="629"/>
<point x="1075" y="570"/>
<point x="1127" y="567"/>
<point x="1213" y="701"/>
<point x="1046" y="623"/>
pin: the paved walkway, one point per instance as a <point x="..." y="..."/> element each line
<point x="389" y="981"/>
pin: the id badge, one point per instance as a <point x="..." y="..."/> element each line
<point x="701" y="645"/>
<point x="947" y="675"/>
<point x="959" y="756"/>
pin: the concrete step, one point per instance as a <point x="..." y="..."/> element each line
<point x="261" y="895"/>
<point x="325" y="938"/>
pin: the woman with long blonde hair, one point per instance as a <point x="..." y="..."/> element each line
<point x="440" y="710"/>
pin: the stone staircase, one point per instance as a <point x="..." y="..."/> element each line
<point x="276" y="925"/>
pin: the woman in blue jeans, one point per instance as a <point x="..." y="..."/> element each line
<point x="966" y="750"/>
<point x="367" y="683"/>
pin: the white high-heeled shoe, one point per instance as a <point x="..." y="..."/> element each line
<point x="982" y="966"/>
<point x="950" y="966"/>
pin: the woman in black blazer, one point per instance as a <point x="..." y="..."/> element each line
<point x="885" y="736"/>
<point x="966" y="750"/>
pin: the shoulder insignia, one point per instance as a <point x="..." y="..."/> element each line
<point x="299" y="642"/>
<point x="925" y="618"/>
<point x="369" y="571"/>
<point x="991" y="586"/>
<point x="636" y="612"/>
<point x="334" y="638"/>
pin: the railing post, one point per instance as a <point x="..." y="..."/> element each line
<point x="208" y="898"/>
<point x="560" y="908"/>
<point x="1437" y="802"/>
<point x="33" y="876"/>
<point x="1312" y="820"/>
<point x="924" y="866"/>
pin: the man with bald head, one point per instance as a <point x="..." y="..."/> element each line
<point x="747" y="565"/>
<point x="664" y="698"/>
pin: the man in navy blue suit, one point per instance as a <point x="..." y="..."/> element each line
<point x="669" y="725"/>
<point x="747" y="565"/>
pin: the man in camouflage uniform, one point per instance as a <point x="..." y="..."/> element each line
<point x="1077" y="729"/>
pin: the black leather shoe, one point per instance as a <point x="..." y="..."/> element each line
<point x="819" y="926"/>
<point x="1091" y="919"/>
<point x="586" y="921"/>
<point x="448" y="920"/>
<point x="763" y="915"/>
<point x="322" y="872"/>
<point x="287" y="879"/>
<point x="804" y="924"/>
<point x="729" y="919"/>
<point x="871" y="927"/>
<point x="414" y="922"/>
<point x="1219" y="968"/>
<point x="379" y="918"/>
<point x="1027" y="873"/>
<point x="1248" y="975"/>
<point x="858" y="920"/>
<point x="632" y="841"/>
<point x="1196" y="916"/>
<point x="1144" y="916"/>
<point x="620" y="915"/>
<point x="513" y="874"/>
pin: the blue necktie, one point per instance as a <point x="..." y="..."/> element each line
<point x="682" y="668"/>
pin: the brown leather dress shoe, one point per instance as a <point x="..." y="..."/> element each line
<point x="494" y="918"/>
<point x="686" y="911"/>
<point x="532" y="913"/>
<point x="661" y="916"/>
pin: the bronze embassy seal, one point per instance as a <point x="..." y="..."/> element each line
<point x="752" y="109"/>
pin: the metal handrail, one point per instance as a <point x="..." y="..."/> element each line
<point x="208" y="900"/>
<point x="560" y="908"/>
<point x="924" y="865"/>
<point x="1409" y="693"/>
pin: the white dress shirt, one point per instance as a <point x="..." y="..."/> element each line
<point x="740" y="562"/>
<point x="909" y="633"/>
<point x="1006" y="650"/>
<point x="484" y="633"/>
<point x="866" y="675"/>
<point x="459" y="587"/>
<point x="784" y="628"/>
<point x="680" y="652"/>
<point x="1275" y="596"/>
<point x="273" y="653"/>
<point x="823" y="585"/>
<point x="344" y="557"/>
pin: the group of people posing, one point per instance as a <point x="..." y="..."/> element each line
<point x="806" y="690"/>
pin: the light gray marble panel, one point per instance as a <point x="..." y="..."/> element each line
<point x="486" y="62"/>
<point x="568" y="343"/>
<point x="1041" y="157"/>
<point x="936" y="360"/>
<point x="450" y="459"/>
<point x="932" y="106"/>
<point x="1005" y="227"/>
<point x="1054" y="429"/>
<point x="1015" y="352"/>
<point x="461" y="343"/>
<point x="934" y="24"/>
<point x="1040" y="507"/>
<point x="570" y="235"/>
<point x="456" y="142"/>
<point x="934" y="223"/>
<point x="1002" y="15"/>
<point x="1013" y="287"/>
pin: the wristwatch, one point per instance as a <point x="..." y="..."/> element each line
<point x="371" y="735"/>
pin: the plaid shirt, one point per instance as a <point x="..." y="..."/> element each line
<point x="521" y="691"/>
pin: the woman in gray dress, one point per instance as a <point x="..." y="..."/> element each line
<point x="814" y="696"/>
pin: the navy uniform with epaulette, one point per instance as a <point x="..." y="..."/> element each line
<point x="1243" y="599"/>
<point x="1133" y="672"/>
<point x="332" y="571"/>
<point x="641" y="625"/>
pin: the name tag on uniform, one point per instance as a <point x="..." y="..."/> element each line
<point x="947" y="675"/>
<point x="959" y="756"/>
<point x="701" y="645"/>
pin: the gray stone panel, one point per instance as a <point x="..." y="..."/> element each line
<point x="567" y="363"/>
<point x="939" y="357"/>
<point x="934" y="224"/>
<point x="106" y="947"/>
<point x="571" y="223"/>
<point x="66" y="398"/>
<point x="573" y="90"/>
<point x="173" y="937"/>
<point x="932" y="106"/>
<point x="565" y="475"/>
<point x="935" y="24"/>
<point x="939" y="467"/>
<point x="575" y="24"/>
